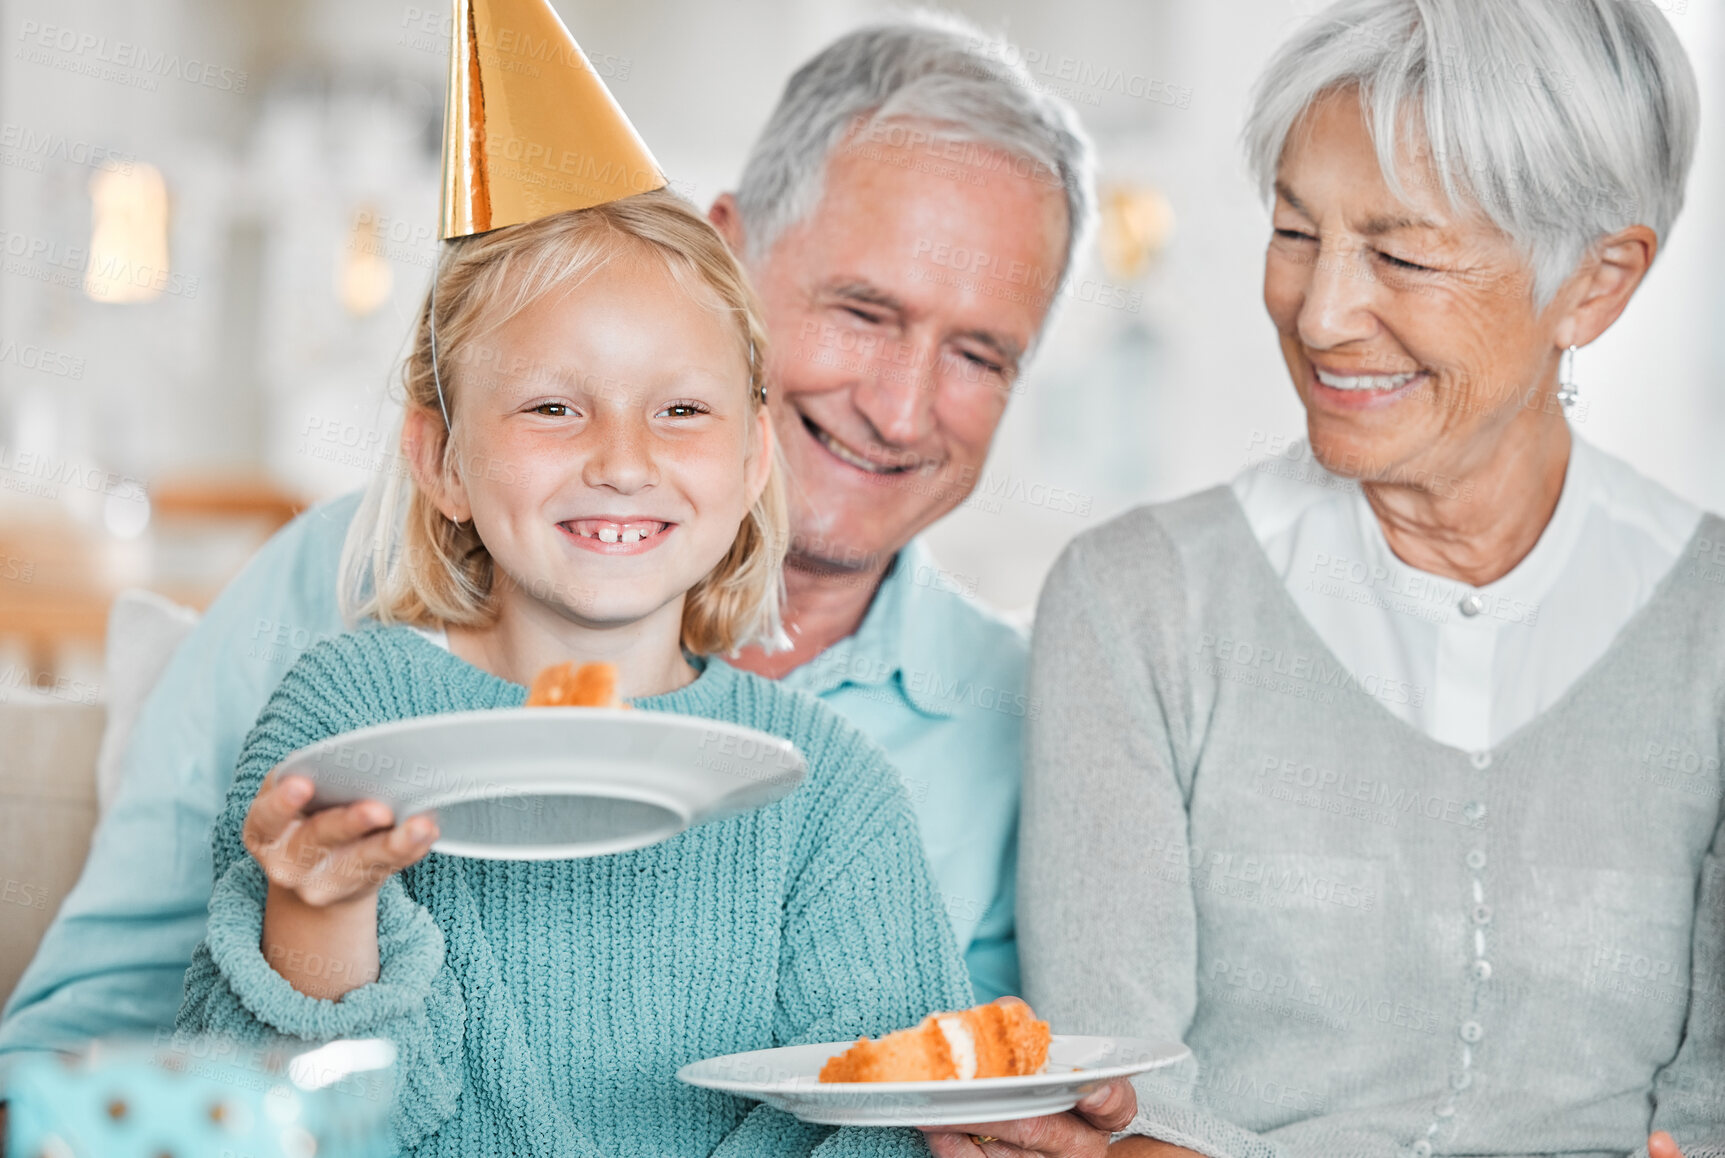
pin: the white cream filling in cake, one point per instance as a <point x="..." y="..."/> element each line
<point x="961" y="1043"/>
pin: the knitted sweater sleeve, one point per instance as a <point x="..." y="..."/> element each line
<point x="232" y="989"/>
<point x="867" y="948"/>
<point x="1108" y="939"/>
<point x="1690" y="1092"/>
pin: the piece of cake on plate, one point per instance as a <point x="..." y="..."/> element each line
<point x="564" y="685"/>
<point x="999" y="1040"/>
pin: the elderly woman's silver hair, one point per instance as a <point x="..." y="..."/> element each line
<point x="927" y="68"/>
<point x="1562" y="121"/>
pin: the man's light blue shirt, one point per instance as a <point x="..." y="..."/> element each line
<point x="930" y="675"/>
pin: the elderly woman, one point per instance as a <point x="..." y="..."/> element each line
<point x="1388" y="777"/>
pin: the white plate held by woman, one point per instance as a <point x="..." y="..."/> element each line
<point x="547" y="783"/>
<point x="788" y="1079"/>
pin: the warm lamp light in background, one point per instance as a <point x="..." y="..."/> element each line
<point x="128" y="235"/>
<point x="364" y="277"/>
<point x="1137" y="222"/>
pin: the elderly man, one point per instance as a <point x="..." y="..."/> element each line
<point x="894" y="146"/>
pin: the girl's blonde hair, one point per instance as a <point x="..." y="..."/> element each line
<point x="404" y="561"/>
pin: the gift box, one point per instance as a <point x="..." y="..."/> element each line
<point x="178" y="1096"/>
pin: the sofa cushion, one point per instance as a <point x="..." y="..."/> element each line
<point x="144" y="629"/>
<point x="47" y="813"/>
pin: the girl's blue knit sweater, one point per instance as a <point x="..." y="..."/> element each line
<point x="542" y="1008"/>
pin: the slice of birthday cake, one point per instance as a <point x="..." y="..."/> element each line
<point x="997" y="1040"/>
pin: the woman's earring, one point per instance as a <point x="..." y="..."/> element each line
<point x="1567" y="391"/>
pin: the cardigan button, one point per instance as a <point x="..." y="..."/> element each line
<point x="1422" y="1149"/>
<point x="1472" y="1031"/>
<point x="1461" y="1081"/>
<point x="1481" y="760"/>
<point x="1482" y="914"/>
<point x="1482" y="970"/>
<point x="1472" y="604"/>
<point x="1476" y="859"/>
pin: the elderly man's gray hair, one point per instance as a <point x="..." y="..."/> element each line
<point x="1561" y="120"/>
<point x="929" y="68"/>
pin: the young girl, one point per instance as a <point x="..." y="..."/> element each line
<point x="605" y="489"/>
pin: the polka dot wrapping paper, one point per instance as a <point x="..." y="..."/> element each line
<point x="203" y="1097"/>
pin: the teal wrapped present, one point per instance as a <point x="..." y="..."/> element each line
<point x="181" y="1096"/>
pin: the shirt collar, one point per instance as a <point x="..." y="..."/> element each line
<point x="1532" y="579"/>
<point x="901" y="643"/>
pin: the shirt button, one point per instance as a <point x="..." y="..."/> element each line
<point x="1475" y="810"/>
<point x="1422" y="1149"/>
<point x="1481" y="760"/>
<point x="1482" y="970"/>
<point x="1482" y="914"/>
<point x="1471" y="605"/>
<point x="1472" y="1031"/>
<point x="1461" y="1081"/>
<point x="1476" y="859"/>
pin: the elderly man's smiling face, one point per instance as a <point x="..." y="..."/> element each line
<point x="900" y="311"/>
<point x="1409" y="328"/>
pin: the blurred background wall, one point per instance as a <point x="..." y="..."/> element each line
<point x="216" y="220"/>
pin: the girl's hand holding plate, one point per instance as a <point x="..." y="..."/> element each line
<point x="334" y="855"/>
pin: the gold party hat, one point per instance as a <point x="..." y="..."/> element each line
<point x="529" y="129"/>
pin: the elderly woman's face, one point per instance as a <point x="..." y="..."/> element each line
<point x="1409" y="329"/>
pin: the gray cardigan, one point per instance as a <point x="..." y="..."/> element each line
<point x="1374" y="944"/>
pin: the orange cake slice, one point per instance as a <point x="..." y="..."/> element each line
<point x="999" y="1040"/>
<point x="563" y="685"/>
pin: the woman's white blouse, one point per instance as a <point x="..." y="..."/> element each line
<point x="1467" y="665"/>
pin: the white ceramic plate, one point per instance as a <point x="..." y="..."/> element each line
<point x="546" y="783"/>
<point x="788" y="1079"/>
